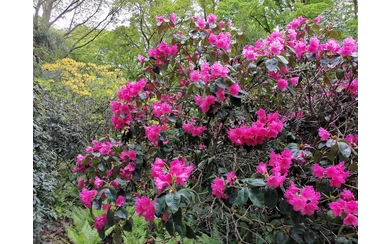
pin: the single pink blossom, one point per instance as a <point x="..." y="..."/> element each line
<point x="282" y="84"/>
<point x="230" y="177"/>
<point x="324" y="134"/>
<point x="145" y="207"/>
<point x="100" y="222"/>
<point x="217" y="187"/>
<point x="350" y="220"/>
<point x="261" y="168"/>
<point x="120" y="201"/>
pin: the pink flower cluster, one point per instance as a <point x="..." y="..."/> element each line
<point x="217" y="187"/>
<point x="266" y="126"/>
<point x="222" y="40"/>
<point x="346" y="205"/>
<point x="352" y="140"/>
<point x="234" y="89"/>
<point x="204" y="102"/>
<point x="335" y="173"/>
<point x="163" y="51"/>
<point x="87" y="197"/>
<point x="160" y="109"/>
<point x="304" y="200"/>
<point x="145" y="207"/>
<point x="131" y="90"/>
<point x="127" y="171"/>
<point x="281" y="164"/>
<point x="178" y="173"/>
<point x="194" y="131"/>
<point x="100" y="222"/>
<point x="324" y="134"/>
<point x="122" y="114"/>
<point x="250" y="53"/>
<point x="161" y="19"/>
<point x="352" y="88"/>
<point x="128" y="156"/>
<point x="120" y="201"/>
<point x="230" y="177"/>
<point x="153" y="132"/>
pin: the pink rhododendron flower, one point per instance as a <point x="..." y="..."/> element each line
<point x="87" y="197"/>
<point x="211" y="18"/>
<point x="145" y="207"/>
<point x="218" y="70"/>
<point x="153" y="132"/>
<point x="120" y="201"/>
<point x="324" y="134"/>
<point x="204" y="102"/>
<point x="126" y="156"/>
<point x="336" y="174"/>
<point x="332" y="45"/>
<point x="282" y="84"/>
<point x="178" y="173"/>
<point x="127" y="171"/>
<point x="195" y="131"/>
<point x="160" y="109"/>
<point x="106" y="206"/>
<point x="352" y="88"/>
<point x="194" y="76"/>
<point x="347" y="195"/>
<point x="217" y="187"/>
<point x="313" y="45"/>
<point x="201" y="23"/>
<point x="351" y="207"/>
<point x="350" y="220"/>
<point x="337" y="208"/>
<point x="141" y="58"/>
<point x="220" y="94"/>
<point x="250" y="53"/>
<point x="318" y="171"/>
<point x="299" y="48"/>
<point x="305" y="200"/>
<point x="294" y="81"/>
<point x="317" y="19"/>
<point x="173" y="18"/>
<point x="349" y="46"/>
<point x="234" y="89"/>
<point x="230" y="177"/>
<point x="98" y="182"/>
<point x="261" y="168"/>
<point x="100" y="222"/>
<point x="80" y="183"/>
<point x="276" y="181"/>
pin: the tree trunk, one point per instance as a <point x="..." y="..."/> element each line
<point x="47" y="9"/>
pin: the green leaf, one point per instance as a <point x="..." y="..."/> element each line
<point x="340" y="73"/>
<point x="186" y="194"/>
<point x="283" y="59"/>
<point x="110" y="193"/>
<point x="118" y="237"/>
<point x="121" y="213"/>
<point x="353" y="167"/>
<point x="317" y="156"/>
<point x="101" y="234"/>
<point x="309" y="237"/>
<point x="296" y="217"/>
<point x="344" y="149"/>
<point x="270" y="197"/>
<point x="189" y="233"/>
<point x="331" y="143"/>
<point x="241" y="38"/>
<point x="254" y="182"/>
<point x="110" y="218"/>
<point x="225" y="58"/>
<point x="178" y="221"/>
<point x="159" y="204"/>
<point x="172" y="118"/>
<point x="128" y="226"/>
<point x="97" y="204"/>
<point x="242" y="197"/>
<point x="281" y="237"/>
<point x="235" y="101"/>
<point x="285" y="207"/>
<point x="271" y="64"/>
<point x="173" y="202"/>
<point x="169" y="227"/>
<point x="256" y="196"/>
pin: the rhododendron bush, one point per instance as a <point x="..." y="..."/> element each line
<point x="260" y="140"/>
